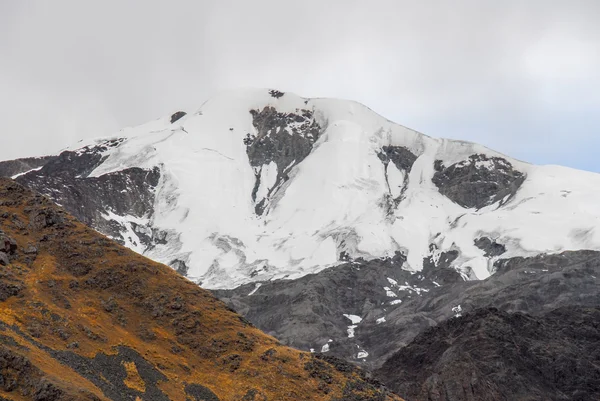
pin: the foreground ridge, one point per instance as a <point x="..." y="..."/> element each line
<point x="82" y="317"/>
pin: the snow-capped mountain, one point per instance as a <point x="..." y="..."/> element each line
<point x="261" y="184"/>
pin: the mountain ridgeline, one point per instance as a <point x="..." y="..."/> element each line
<point x="345" y="235"/>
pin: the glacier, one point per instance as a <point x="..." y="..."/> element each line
<point x="233" y="217"/>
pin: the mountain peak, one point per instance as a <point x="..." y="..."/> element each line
<point x="259" y="184"/>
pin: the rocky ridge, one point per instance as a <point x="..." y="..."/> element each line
<point x="82" y="317"/>
<point x="492" y="355"/>
<point x="393" y="306"/>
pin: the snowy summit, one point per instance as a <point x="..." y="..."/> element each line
<point x="260" y="184"/>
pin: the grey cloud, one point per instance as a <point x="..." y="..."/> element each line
<point x="517" y="76"/>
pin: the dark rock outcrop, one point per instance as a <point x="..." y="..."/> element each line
<point x="403" y="159"/>
<point x="276" y="94"/>
<point x="489" y="247"/>
<point x="66" y="180"/>
<point x="478" y="181"/>
<point x="8" y="247"/>
<point x="283" y="138"/>
<point x="11" y="168"/>
<point x="177" y="116"/>
<point x="307" y="312"/>
<point x="493" y="355"/>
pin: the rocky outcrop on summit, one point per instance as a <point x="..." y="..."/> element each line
<point x="394" y="305"/>
<point x="478" y="181"/>
<point x="88" y="319"/>
<point x="492" y="355"/>
<point x="177" y="116"/>
<point x="282" y="141"/>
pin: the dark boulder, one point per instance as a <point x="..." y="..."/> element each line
<point x="489" y="247"/>
<point x="478" y="181"/>
<point x="177" y="116"/>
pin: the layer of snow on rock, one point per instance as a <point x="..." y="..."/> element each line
<point x="353" y="318"/>
<point x="355" y="321"/>
<point x="256" y="287"/>
<point x="457" y="310"/>
<point x="330" y="202"/>
<point x="389" y="292"/>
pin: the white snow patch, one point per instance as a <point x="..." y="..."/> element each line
<point x="350" y="330"/>
<point x="130" y="237"/>
<point x="25" y="172"/>
<point x="362" y="354"/>
<point x="457" y="310"/>
<point x="389" y="292"/>
<point x="268" y="178"/>
<point x="355" y="321"/>
<point x="256" y="287"/>
<point x="380" y="320"/>
<point x="325" y="348"/>
<point x="353" y="318"/>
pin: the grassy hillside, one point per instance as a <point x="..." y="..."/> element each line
<point x="82" y="317"/>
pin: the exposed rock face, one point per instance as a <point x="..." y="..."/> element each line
<point x="308" y="312"/>
<point x="11" y="168"/>
<point x="283" y="140"/>
<point x="65" y="179"/>
<point x="490" y="247"/>
<point x="89" y="319"/>
<point x="177" y="116"/>
<point x="479" y="181"/>
<point x="493" y="355"/>
<point x="276" y="94"/>
<point x="8" y="248"/>
<point x="403" y="159"/>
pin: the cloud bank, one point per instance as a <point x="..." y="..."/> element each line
<point x="520" y="77"/>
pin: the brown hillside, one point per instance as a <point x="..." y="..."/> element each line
<point x="82" y="317"/>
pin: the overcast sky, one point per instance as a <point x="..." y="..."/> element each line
<point x="522" y="77"/>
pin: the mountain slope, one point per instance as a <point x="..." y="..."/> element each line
<point x="390" y="306"/>
<point x="84" y="318"/>
<point x="259" y="185"/>
<point x="492" y="355"/>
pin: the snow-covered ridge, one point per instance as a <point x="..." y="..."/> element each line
<point x="341" y="197"/>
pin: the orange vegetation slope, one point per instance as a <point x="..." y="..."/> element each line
<point x="82" y="317"/>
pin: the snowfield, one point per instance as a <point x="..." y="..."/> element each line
<point x="332" y="201"/>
